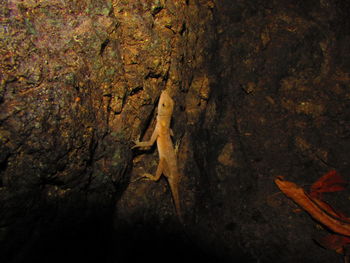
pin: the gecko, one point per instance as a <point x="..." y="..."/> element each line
<point x="167" y="155"/>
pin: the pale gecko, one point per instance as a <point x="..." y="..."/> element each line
<point x="167" y="154"/>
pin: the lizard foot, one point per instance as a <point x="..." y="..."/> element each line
<point x="137" y="179"/>
<point x="150" y="177"/>
<point x="145" y="177"/>
<point x="139" y="144"/>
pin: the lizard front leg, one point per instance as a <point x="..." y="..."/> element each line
<point x="147" y="143"/>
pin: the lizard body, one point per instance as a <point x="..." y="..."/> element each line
<point x="167" y="156"/>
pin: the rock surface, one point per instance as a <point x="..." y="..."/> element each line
<point x="261" y="90"/>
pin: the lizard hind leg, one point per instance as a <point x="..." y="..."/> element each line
<point x="159" y="171"/>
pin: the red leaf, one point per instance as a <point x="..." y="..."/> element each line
<point x="330" y="182"/>
<point x="334" y="242"/>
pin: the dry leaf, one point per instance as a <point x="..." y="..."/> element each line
<point x="334" y="242"/>
<point x="318" y="209"/>
<point x="330" y="182"/>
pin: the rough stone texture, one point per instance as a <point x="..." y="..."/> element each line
<point x="60" y="162"/>
<point x="261" y="90"/>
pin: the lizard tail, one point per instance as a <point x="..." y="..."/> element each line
<point x="174" y="187"/>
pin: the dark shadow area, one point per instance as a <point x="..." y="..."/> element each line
<point x="67" y="239"/>
<point x="96" y="241"/>
<point x="157" y="244"/>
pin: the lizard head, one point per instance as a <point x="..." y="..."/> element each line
<point x="165" y="105"/>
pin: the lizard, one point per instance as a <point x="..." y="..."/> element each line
<point x="167" y="154"/>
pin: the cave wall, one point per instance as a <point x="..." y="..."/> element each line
<point x="261" y="90"/>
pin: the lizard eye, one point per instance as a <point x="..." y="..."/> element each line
<point x="163" y="105"/>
